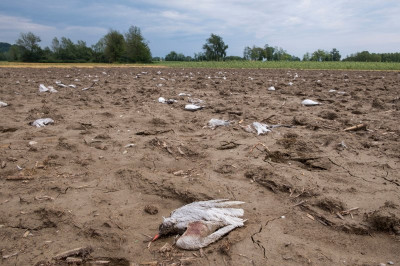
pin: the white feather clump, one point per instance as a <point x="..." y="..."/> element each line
<point x="209" y="214"/>
<point x="42" y="122"/>
<point x="308" y="102"/>
<point x="261" y="128"/>
<point x="193" y="107"/>
<point x="213" y="123"/>
<point x="43" y="88"/>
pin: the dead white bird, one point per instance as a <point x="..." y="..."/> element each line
<point x="308" y="102"/>
<point x="202" y="222"/>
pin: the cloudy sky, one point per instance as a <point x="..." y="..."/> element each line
<point x="298" y="26"/>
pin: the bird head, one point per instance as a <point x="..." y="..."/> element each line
<point x="166" y="228"/>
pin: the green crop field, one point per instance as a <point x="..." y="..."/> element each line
<point x="228" y="64"/>
<point x="286" y="65"/>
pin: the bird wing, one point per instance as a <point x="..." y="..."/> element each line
<point x="194" y="237"/>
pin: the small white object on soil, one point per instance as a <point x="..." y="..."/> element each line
<point x="130" y="145"/>
<point x="261" y="128"/>
<point x="42" y="122"/>
<point x="184" y="94"/>
<point x="308" y="102"/>
<point x="169" y="101"/>
<point x="72" y="86"/>
<point x="213" y="123"/>
<point x="3" y="104"/>
<point x="193" y="107"/>
<point x="272" y="88"/>
<point x="290" y="83"/>
<point x="332" y="90"/>
<point x="43" y="88"/>
<point x="32" y="142"/>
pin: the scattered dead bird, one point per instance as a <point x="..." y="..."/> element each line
<point x="202" y="223"/>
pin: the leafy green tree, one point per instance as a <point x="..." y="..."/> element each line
<point x="83" y="53"/>
<point x="215" y="48"/>
<point x="247" y="53"/>
<point x="320" y="55"/>
<point x="257" y="53"/>
<point x="67" y="50"/>
<point x="98" y="49"/>
<point x="364" y="56"/>
<point x="114" y="46"/>
<point x="173" y="56"/>
<point x="55" y="46"/>
<point x="335" y="55"/>
<point x="200" y="56"/>
<point x="14" y="53"/>
<point x="29" y="43"/>
<point x="254" y="53"/>
<point x="137" y="49"/>
<point x="269" y="52"/>
<point x="281" y="55"/>
<point x="234" y="58"/>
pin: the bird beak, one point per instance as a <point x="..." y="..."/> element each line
<point x="155" y="237"/>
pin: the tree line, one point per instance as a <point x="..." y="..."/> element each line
<point x="131" y="47"/>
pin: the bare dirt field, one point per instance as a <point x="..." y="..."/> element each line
<point x="116" y="161"/>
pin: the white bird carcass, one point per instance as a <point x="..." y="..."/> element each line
<point x="202" y="223"/>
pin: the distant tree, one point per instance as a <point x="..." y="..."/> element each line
<point x="247" y="53"/>
<point x="48" y="55"/>
<point x="137" y="49"/>
<point x="294" y="58"/>
<point x="257" y="53"/>
<point x="269" y="52"/>
<point x="281" y="55"/>
<point x="55" y="45"/>
<point x="114" y="46"/>
<point x="83" y="53"/>
<point x="31" y="51"/>
<point x="200" y="56"/>
<point x="234" y="58"/>
<point x="29" y="41"/>
<point x="14" y="53"/>
<point x="320" y="55"/>
<point x="215" y="48"/>
<point x="307" y="57"/>
<point x="67" y="51"/>
<point x="364" y="56"/>
<point x="335" y="55"/>
<point x="98" y="51"/>
<point x="174" y="56"/>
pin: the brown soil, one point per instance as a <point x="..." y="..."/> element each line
<point x="315" y="194"/>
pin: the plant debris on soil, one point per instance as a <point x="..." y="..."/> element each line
<point x="93" y="186"/>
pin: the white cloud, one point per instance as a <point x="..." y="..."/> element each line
<point x="296" y="25"/>
<point x="11" y="24"/>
